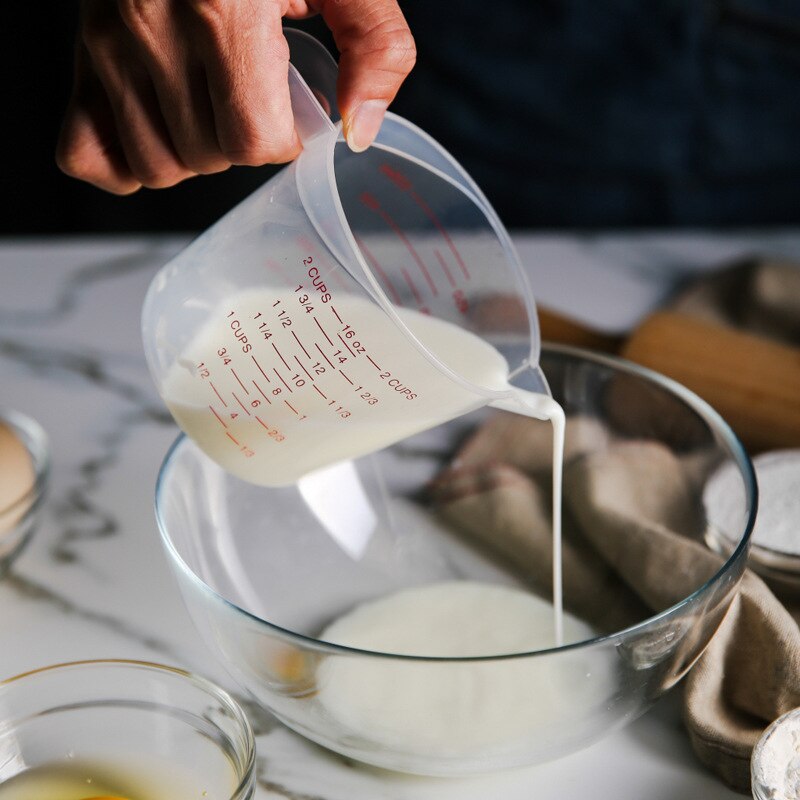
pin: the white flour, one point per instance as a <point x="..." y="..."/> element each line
<point x="778" y="522"/>
<point x="776" y="760"/>
<point x="453" y="707"/>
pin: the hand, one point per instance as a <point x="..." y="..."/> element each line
<point x="168" y="89"/>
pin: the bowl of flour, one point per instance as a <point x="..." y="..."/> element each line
<point x="775" y="768"/>
<point x="775" y="541"/>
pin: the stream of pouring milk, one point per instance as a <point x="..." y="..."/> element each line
<point x="278" y="384"/>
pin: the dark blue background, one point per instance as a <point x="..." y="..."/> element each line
<point x="568" y="113"/>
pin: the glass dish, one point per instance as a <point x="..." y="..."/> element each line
<point x="19" y="517"/>
<point x="778" y="515"/>
<point x="264" y="571"/>
<point x="775" y="764"/>
<point x="137" y="724"/>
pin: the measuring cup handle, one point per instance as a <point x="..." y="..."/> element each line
<point x="312" y="86"/>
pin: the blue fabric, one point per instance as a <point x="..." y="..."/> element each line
<point x="616" y="112"/>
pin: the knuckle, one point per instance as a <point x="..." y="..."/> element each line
<point x="390" y="37"/>
<point x="71" y="161"/>
<point x="68" y="158"/>
<point x="400" y="50"/>
<point x="205" y="163"/>
<point x="98" y="34"/>
<point x="248" y="146"/>
<point x="401" y="55"/>
<point x="250" y="153"/>
<point x="81" y="163"/>
<point x="159" y="175"/>
<point x="141" y="17"/>
<point x="209" y="12"/>
<point x="76" y="151"/>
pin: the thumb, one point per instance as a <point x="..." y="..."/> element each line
<point x="377" y="52"/>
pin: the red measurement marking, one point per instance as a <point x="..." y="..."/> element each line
<point x="244" y="408"/>
<point x="373" y="364"/>
<point x="259" y="369"/>
<point x="435" y="220"/>
<point x="320" y="391"/>
<point x="281" y="357"/>
<point x="411" y="286"/>
<point x="292" y="407"/>
<point x="446" y="269"/>
<point x="218" y="395"/>
<point x="345" y="344"/>
<point x="403" y="183"/>
<point x="322" y="353"/>
<point x="262" y="393"/>
<point x="384" y="277"/>
<point x="336" y="314"/>
<point x="221" y="421"/>
<point x="228" y="434"/>
<point x="302" y="367"/>
<point x="346" y="378"/>
<point x="281" y="378"/>
<point x="240" y="382"/>
<point x="399" y="179"/>
<point x="335" y="274"/>
<point x="323" y="332"/>
<point x="297" y="339"/>
<point x="373" y="204"/>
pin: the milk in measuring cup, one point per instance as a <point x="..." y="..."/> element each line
<point x="278" y="384"/>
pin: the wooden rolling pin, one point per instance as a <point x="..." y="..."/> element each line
<point x="753" y="382"/>
<point x="555" y="328"/>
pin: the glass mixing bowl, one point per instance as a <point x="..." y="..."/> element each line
<point x="126" y="728"/>
<point x="264" y="571"/>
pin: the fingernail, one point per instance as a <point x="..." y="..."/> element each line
<point x="364" y="124"/>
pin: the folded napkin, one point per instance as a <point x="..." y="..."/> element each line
<point x="632" y="547"/>
<point x="760" y="297"/>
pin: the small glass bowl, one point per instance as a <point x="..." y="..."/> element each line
<point x="776" y="756"/>
<point x="19" y="518"/>
<point x="264" y="570"/>
<point x="135" y="723"/>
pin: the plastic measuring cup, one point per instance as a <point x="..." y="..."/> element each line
<point x="351" y="301"/>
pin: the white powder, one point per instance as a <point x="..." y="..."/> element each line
<point x="776" y="760"/>
<point x="449" y="708"/>
<point x="778" y="522"/>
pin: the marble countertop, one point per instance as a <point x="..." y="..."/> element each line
<point x="94" y="583"/>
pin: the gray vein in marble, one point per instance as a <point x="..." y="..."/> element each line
<point x="31" y="590"/>
<point x="79" y="516"/>
<point x="44" y="360"/>
<point x="283" y="791"/>
<point x="27" y="589"/>
<point x="68" y="298"/>
<point x="85" y="519"/>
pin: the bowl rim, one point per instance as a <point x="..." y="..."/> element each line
<point x="29" y="432"/>
<point x="783" y="563"/>
<point x="205" y="685"/>
<point x="696" y="403"/>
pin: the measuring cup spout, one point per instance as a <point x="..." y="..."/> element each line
<point x="312" y="86"/>
<point x="531" y="379"/>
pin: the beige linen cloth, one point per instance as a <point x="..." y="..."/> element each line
<point x="633" y="547"/>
